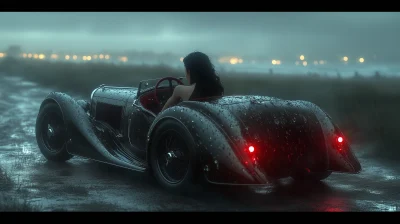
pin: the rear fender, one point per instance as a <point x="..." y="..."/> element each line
<point x="341" y="158"/>
<point x="215" y="157"/>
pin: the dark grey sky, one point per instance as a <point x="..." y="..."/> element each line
<point x="280" y="34"/>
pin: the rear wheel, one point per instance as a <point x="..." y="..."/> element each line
<point x="310" y="176"/>
<point x="51" y="134"/>
<point x="172" y="157"/>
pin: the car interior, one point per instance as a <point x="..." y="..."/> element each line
<point x="147" y="99"/>
<point x="163" y="93"/>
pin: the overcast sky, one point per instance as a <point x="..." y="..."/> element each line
<point x="266" y="33"/>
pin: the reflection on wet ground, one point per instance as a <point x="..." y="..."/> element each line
<point x="88" y="186"/>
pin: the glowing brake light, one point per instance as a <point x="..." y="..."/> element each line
<point x="251" y="149"/>
<point x="340" y="139"/>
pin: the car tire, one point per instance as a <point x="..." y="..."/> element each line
<point x="157" y="148"/>
<point x="52" y="149"/>
<point x="310" y="176"/>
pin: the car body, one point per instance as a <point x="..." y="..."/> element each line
<point x="233" y="140"/>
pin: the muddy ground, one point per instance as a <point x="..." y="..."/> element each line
<point x="29" y="182"/>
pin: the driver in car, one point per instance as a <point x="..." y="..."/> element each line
<point x="202" y="78"/>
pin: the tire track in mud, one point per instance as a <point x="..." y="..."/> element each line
<point x="83" y="185"/>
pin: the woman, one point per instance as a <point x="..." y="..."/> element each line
<point x="202" y="78"/>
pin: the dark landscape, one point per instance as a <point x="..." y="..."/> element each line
<point x="365" y="108"/>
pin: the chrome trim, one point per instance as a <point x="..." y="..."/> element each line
<point x="144" y="109"/>
<point x="129" y="131"/>
<point x="93" y="92"/>
<point x="118" y="87"/>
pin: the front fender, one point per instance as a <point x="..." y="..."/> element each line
<point x="85" y="138"/>
<point x="216" y="156"/>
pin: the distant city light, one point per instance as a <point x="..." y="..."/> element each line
<point x="54" y="56"/>
<point x="345" y="58"/>
<point x="84" y="58"/>
<point x="273" y="62"/>
<point x="88" y="58"/>
<point x="321" y="62"/>
<point x="24" y="55"/>
<point x="315" y="62"/>
<point x="67" y="57"/>
<point x="123" y="59"/>
<point x="278" y="62"/>
<point x="74" y="57"/>
<point x="240" y="61"/>
<point x="101" y="56"/>
<point x="181" y="59"/>
<point x="302" y="57"/>
<point x="42" y="56"/>
<point x="304" y="63"/>
<point x="95" y="56"/>
<point x="107" y="56"/>
<point x="29" y="55"/>
<point x="233" y="61"/>
<point x="361" y="60"/>
<point x="1" y="55"/>
<point x="35" y="56"/>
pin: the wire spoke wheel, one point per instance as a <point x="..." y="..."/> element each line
<point x="173" y="157"/>
<point x="53" y="132"/>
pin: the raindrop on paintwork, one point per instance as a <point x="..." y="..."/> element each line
<point x="181" y="110"/>
<point x="192" y="121"/>
<point x="276" y="121"/>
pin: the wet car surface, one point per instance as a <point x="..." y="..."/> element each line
<point x="83" y="185"/>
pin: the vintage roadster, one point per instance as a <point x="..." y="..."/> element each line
<point x="231" y="140"/>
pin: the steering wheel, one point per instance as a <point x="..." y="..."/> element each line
<point x="170" y="79"/>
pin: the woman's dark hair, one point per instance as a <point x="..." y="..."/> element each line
<point x="202" y="72"/>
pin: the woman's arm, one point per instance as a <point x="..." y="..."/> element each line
<point x="174" y="99"/>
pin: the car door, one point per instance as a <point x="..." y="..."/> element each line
<point x="139" y="122"/>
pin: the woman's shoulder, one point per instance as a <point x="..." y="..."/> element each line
<point x="183" y="91"/>
<point x="184" y="88"/>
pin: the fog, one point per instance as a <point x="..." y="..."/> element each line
<point x="284" y="35"/>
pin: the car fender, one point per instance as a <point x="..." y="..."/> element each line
<point x="85" y="139"/>
<point x="215" y="154"/>
<point x="339" y="160"/>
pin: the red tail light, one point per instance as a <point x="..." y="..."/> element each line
<point x="339" y="142"/>
<point x="251" y="148"/>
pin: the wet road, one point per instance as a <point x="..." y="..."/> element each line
<point x="88" y="186"/>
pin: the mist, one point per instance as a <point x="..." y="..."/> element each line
<point x="278" y="34"/>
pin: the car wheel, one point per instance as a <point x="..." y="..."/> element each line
<point x="310" y="176"/>
<point x="172" y="157"/>
<point x="51" y="134"/>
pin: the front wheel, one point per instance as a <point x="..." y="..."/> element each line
<point x="51" y="134"/>
<point x="310" y="176"/>
<point x="172" y="157"/>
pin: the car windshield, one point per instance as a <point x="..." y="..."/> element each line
<point x="147" y="85"/>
